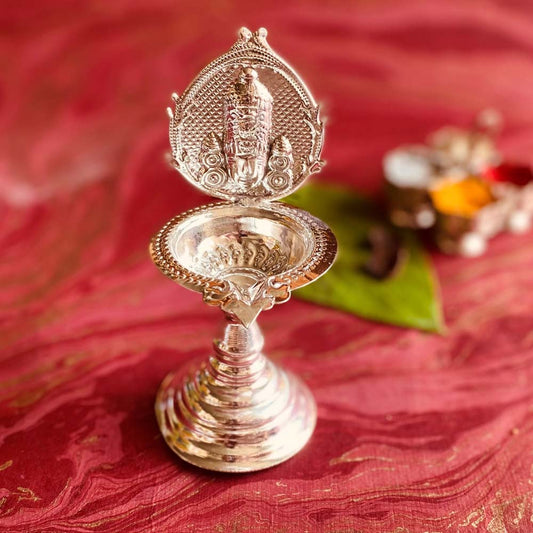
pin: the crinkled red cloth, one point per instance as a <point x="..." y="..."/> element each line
<point x="416" y="432"/>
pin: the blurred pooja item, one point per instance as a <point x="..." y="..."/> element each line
<point x="514" y="181"/>
<point x="467" y="214"/>
<point x="387" y="253"/>
<point x="462" y="197"/>
<point x="458" y="185"/>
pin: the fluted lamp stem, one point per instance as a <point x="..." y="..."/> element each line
<point x="238" y="412"/>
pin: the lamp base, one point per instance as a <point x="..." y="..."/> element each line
<point x="238" y="412"/>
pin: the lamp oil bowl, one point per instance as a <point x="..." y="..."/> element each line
<point x="247" y="131"/>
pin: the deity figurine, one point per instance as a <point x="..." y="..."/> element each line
<point x="247" y="127"/>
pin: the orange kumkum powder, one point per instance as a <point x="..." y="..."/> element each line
<point x="463" y="197"/>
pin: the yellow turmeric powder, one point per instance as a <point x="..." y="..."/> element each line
<point x="463" y="197"/>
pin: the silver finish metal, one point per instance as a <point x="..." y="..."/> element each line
<point x="247" y="130"/>
<point x="239" y="412"/>
<point x="247" y="126"/>
<point x="244" y="259"/>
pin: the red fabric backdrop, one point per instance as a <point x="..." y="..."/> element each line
<point x="416" y="432"/>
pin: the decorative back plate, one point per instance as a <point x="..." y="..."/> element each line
<point x="247" y="127"/>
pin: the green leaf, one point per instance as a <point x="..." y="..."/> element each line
<point x="411" y="298"/>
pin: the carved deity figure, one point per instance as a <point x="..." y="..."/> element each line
<point x="247" y="126"/>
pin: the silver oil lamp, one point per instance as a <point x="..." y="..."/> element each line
<point x="247" y="131"/>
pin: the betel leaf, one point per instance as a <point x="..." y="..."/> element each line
<point x="410" y="298"/>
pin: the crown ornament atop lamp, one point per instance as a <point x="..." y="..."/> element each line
<point x="247" y="131"/>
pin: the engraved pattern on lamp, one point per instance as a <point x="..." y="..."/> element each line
<point x="247" y="127"/>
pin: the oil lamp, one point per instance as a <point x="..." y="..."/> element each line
<point x="246" y="131"/>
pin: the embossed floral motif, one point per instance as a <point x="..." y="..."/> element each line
<point x="213" y="174"/>
<point x="246" y="252"/>
<point x="280" y="164"/>
<point x="246" y="293"/>
<point x="245" y="265"/>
